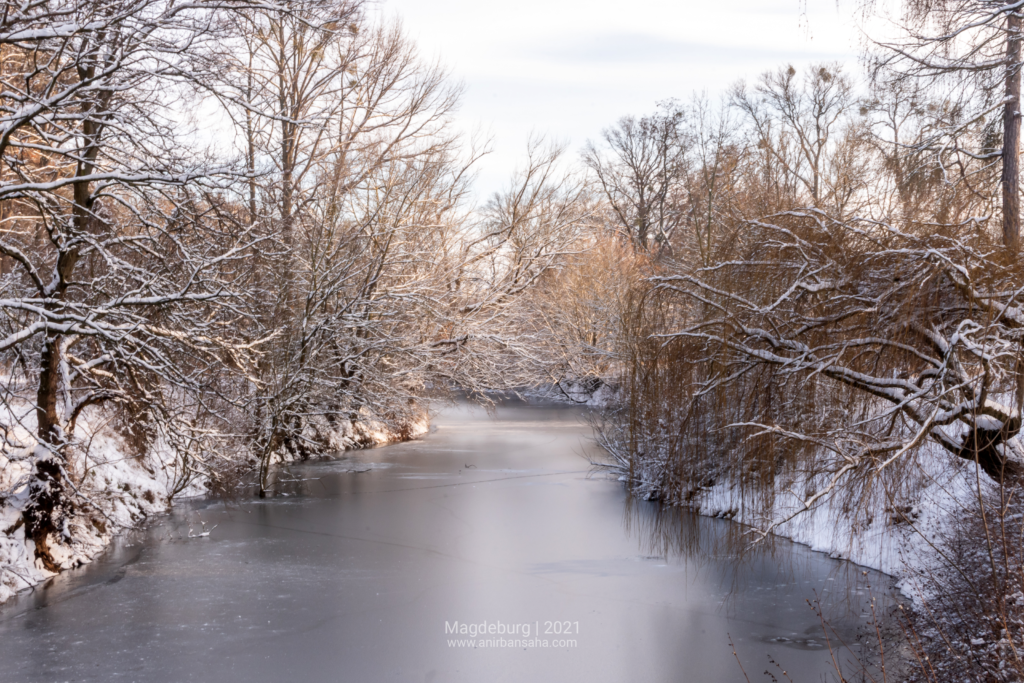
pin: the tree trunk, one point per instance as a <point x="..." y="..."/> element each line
<point x="44" y="515"/>
<point x="1011" y="136"/>
<point x="49" y="503"/>
<point x="250" y="139"/>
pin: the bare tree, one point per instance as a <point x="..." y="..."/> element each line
<point x="638" y="169"/>
<point x="802" y="126"/>
<point x="118" y="251"/>
<point x="494" y="335"/>
<point x="711" y="185"/>
<point x="362" y="187"/>
<point x="971" y="50"/>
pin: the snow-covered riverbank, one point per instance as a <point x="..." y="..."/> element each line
<point x="903" y="539"/>
<point x="116" y="490"/>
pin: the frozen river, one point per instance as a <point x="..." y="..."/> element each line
<point x="361" y="569"/>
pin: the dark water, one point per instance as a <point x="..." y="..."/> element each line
<point x="353" y="573"/>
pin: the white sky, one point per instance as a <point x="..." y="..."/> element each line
<point x="569" y="68"/>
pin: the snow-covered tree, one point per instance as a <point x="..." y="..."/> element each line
<point x="118" y="249"/>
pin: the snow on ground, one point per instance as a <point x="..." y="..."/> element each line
<point x="902" y="543"/>
<point x="593" y="393"/>
<point x="119" y="490"/>
<point x="343" y="435"/>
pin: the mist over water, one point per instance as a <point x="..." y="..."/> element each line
<point x="356" y="568"/>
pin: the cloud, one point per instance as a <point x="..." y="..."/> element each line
<point x="639" y="48"/>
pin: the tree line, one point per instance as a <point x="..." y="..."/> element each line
<point x="240" y="229"/>
<point x="829" y="313"/>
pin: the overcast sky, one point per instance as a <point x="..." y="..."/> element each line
<point x="569" y="68"/>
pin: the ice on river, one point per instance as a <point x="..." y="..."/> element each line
<point x="369" y="566"/>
